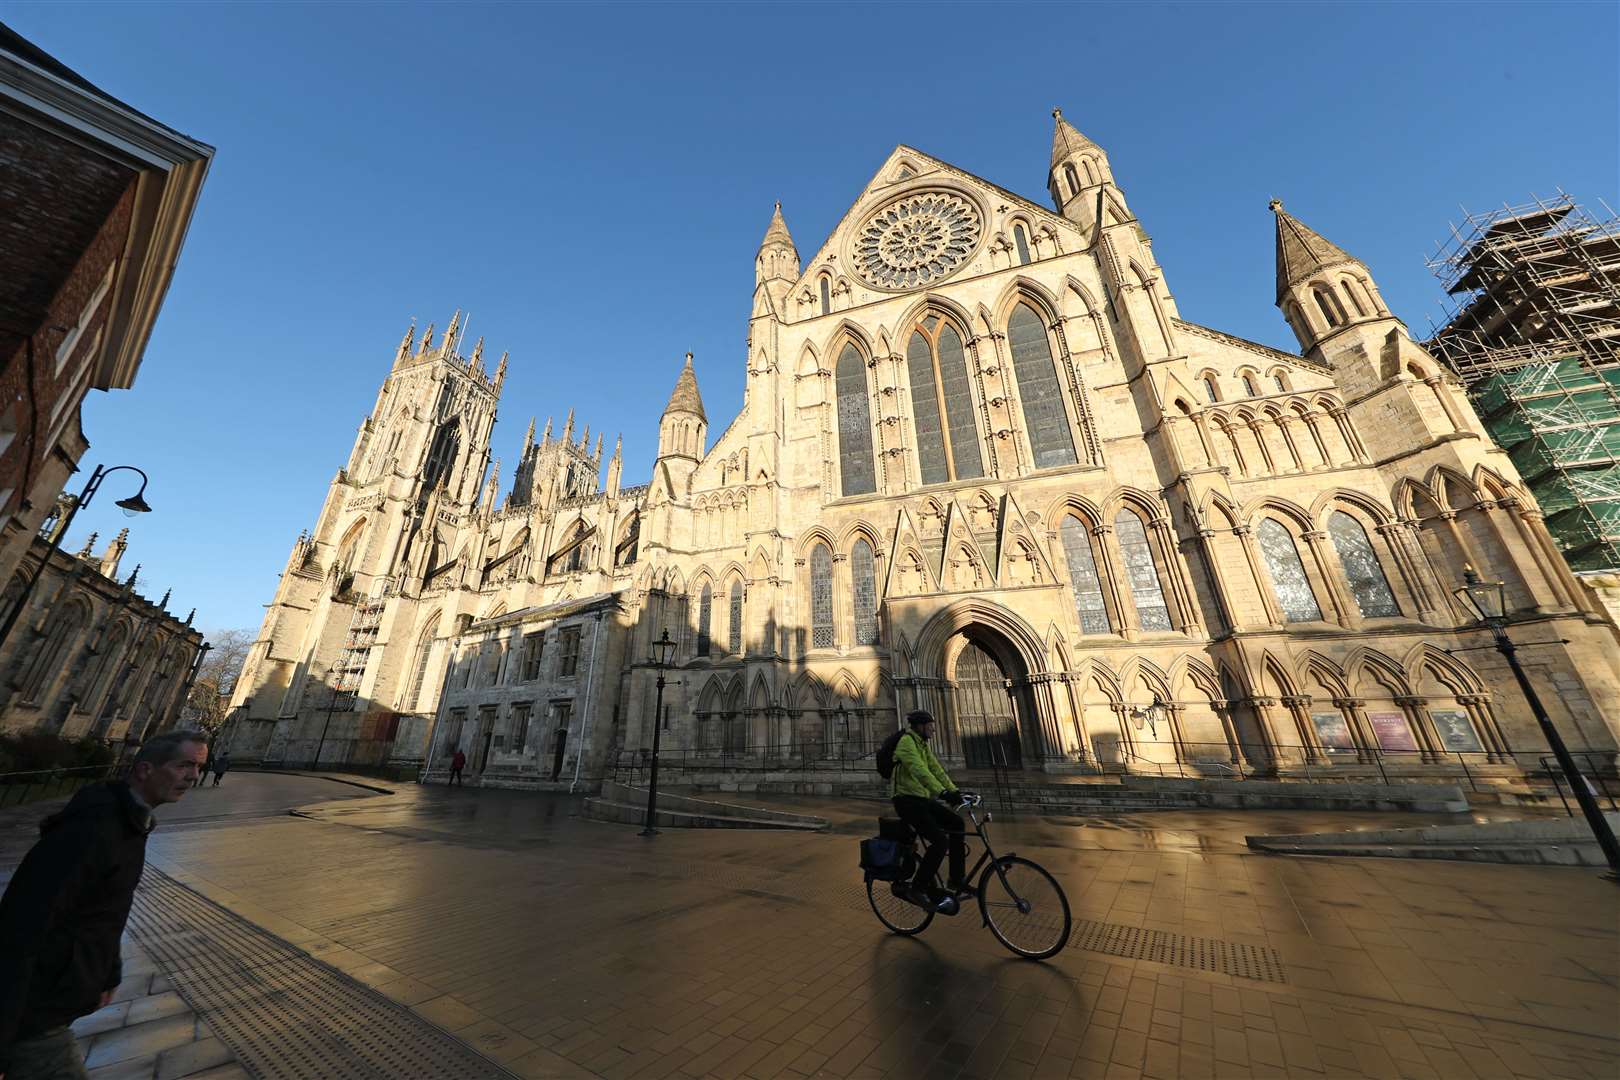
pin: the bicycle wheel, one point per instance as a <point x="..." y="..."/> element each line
<point x="898" y="915"/>
<point x="1027" y="911"/>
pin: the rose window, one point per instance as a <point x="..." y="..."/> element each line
<point x="917" y="241"/>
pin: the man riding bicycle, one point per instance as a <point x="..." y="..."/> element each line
<point x="919" y="779"/>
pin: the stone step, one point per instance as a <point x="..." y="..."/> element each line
<point x="629" y="814"/>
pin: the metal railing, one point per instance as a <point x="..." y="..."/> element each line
<point x="17" y="788"/>
<point x="1588" y="763"/>
<point x="631" y="766"/>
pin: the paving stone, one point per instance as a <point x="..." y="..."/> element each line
<point x="140" y="1040"/>
<point x="193" y="1058"/>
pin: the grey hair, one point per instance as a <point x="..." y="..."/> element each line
<point x="161" y="749"/>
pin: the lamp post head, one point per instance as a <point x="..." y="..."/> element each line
<point x="662" y="649"/>
<point x="1487" y="600"/>
<point x="134" y="504"/>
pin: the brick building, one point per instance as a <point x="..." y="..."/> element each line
<point x="95" y="200"/>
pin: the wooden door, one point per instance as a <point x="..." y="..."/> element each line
<point x="988" y="723"/>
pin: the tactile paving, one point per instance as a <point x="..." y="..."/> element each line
<point x="285" y="1014"/>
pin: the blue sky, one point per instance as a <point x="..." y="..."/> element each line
<point x="592" y="182"/>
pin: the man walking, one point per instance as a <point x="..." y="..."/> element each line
<point x="222" y="765"/>
<point x="457" y="763"/>
<point x="64" y="911"/>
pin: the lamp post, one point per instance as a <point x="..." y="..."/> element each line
<point x="661" y="650"/>
<point x="1488" y="601"/>
<point x="331" y="704"/>
<point x="131" y="506"/>
<point x="1150" y="715"/>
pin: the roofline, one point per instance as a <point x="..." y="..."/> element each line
<point x="170" y="168"/>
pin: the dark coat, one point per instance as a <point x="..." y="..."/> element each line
<point x="64" y="911"/>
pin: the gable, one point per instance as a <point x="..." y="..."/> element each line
<point x="919" y="223"/>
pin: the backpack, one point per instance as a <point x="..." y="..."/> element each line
<point x="885" y="754"/>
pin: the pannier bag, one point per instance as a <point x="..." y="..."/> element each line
<point x="885" y="860"/>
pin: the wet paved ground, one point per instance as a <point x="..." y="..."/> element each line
<point x="567" y="948"/>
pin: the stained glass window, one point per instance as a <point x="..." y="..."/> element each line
<point x="1146" y="591"/>
<point x="1248" y="386"/>
<point x="939" y="387"/>
<point x="864" y="579"/>
<point x="953" y="381"/>
<point x="1083" y="579"/>
<point x="1288" y="579"/>
<point x="1023" y="244"/>
<point x="734" y="639"/>
<point x="705" y="609"/>
<point x="925" y="411"/>
<point x="1209" y="389"/>
<point x="826" y="297"/>
<point x="821" y="616"/>
<point x="854" y="425"/>
<point x="1366" y="577"/>
<point x="1044" y="416"/>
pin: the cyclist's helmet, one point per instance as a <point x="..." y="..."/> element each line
<point x="919" y="718"/>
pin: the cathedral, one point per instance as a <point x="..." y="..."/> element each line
<point x="982" y="467"/>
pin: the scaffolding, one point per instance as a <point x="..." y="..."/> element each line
<point x="1533" y="330"/>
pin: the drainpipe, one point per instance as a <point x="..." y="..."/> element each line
<point x="585" y="706"/>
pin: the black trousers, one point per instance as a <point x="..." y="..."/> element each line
<point x="938" y="827"/>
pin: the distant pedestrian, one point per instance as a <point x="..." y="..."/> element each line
<point x="558" y="742"/>
<point x="457" y="763"/>
<point x="222" y="765"/>
<point x="202" y="773"/>
<point x="64" y="911"/>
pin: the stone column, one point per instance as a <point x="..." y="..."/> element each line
<point x="1251" y="552"/>
<point x="1355" y="712"/>
<point x="1110" y="569"/>
<point x="1345" y="609"/>
<point x="1298" y="707"/>
<point x="1417" y="717"/>
<point x="1398" y="539"/>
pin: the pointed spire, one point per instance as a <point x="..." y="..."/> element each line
<point x="1301" y="252"/>
<point x="1065" y="139"/>
<point x="618" y="448"/>
<point x="598" y="454"/>
<point x="568" y="428"/>
<point x="528" y="437"/>
<point x="134" y="575"/>
<point x="777" y="231"/>
<point x="450" y="334"/>
<point x="686" y="397"/>
<point x="547" y="437"/>
<point x="164" y="603"/>
<point x="585" y="439"/>
<point x="500" y="372"/>
<point x="427" y="340"/>
<point x="192" y="614"/>
<point x="478" y="352"/>
<point x="89" y="542"/>
<point x="405" y="342"/>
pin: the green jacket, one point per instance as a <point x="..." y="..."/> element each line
<point x="916" y="770"/>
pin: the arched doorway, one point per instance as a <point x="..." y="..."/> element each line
<point x="986" y="721"/>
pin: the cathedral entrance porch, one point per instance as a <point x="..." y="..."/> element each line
<point x="984" y="714"/>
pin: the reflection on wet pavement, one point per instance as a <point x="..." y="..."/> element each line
<point x="584" y="949"/>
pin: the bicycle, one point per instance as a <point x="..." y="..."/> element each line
<point x="1020" y="902"/>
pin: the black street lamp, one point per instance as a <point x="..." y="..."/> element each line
<point x="661" y="650"/>
<point x="1150" y="715"/>
<point x="331" y="704"/>
<point x="1488" y="601"/>
<point x="131" y="506"/>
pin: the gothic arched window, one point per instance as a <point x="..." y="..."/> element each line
<point x="705" y="611"/>
<point x="1084" y="581"/>
<point x="1073" y="178"/>
<point x="1147" y="591"/>
<point x="424" y="653"/>
<point x="1022" y="243"/>
<point x="826" y="295"/>
<point x="441" y="454"/>
<point x="1288" y="580"/>
<point x="821" y="605"/>
<point x="937" y="365"/>
<point x="863" y="582"/>
<point x="65" y="626"/>
<point x="109" y="659"/>
<point x="1361" y="568"/>
<point x="1210" y="393"/>
<point x="1350" y="291"/>
<point x="854" y="425"/>
<point x="1329" y="305"/>
<point x="1045" y="421"/>
<point x="734" y="637"/>
<point x="1249" y="389"/>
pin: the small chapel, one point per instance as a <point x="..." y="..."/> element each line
<point x="983" y="467"/>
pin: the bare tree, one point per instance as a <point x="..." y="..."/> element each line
<point x="211" y="691"/>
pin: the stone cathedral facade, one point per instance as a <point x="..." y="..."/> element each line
<point x="983" y="467"/>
